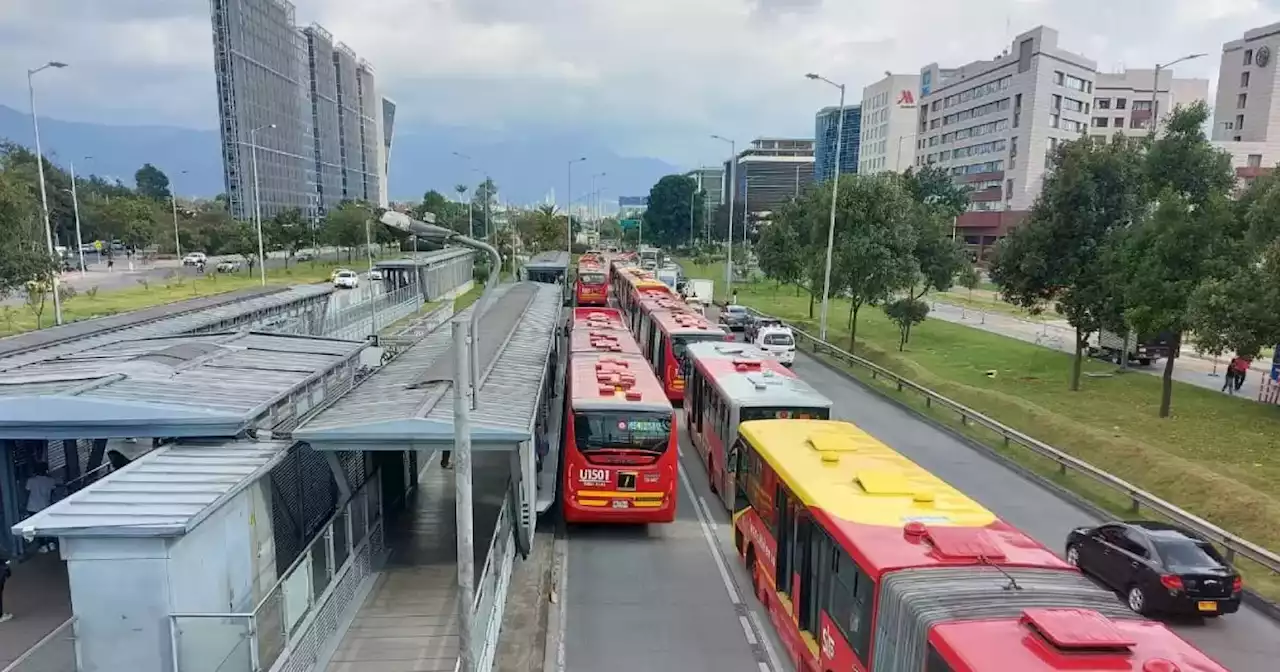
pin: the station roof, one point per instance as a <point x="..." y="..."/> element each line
<point x="748" y="377"/>
<point x="174" y="386"/>
<point x="181" y="323"/>
<point x="409" y="401"/>
<point x="164" y="493"/>
<point x="549" y="261"/>
<point x="420" y="259"/>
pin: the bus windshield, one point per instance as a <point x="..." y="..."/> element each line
<point x="597" y="431"/>
<point x="776" y="413"/>
<point x="591" y="278"/>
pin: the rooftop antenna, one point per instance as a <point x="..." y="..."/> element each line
<point x="1013" y="583"/>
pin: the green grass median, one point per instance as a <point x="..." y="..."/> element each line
<point x="1217" y="456"/>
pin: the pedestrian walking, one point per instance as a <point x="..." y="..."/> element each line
<point x="4" y="576"/>
<point x="1242" y="370"/>
<point x="40" y="486"/>
<point x="1229" y="377"/>
<point x="445" y="458"/>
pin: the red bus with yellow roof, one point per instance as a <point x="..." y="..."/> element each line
<point x="867" y="562"/>
<point x="632" y="285"/>
<point x="620" y="452"/>
<point x="665" y="330"/>
<point x="591" y="288"/>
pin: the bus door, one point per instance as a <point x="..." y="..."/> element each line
<point x="729" y="489"/>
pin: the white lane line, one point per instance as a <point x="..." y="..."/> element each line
<point x="746" y="630"/>
<point x="710" y="537"/>
<point x="768" y="644"/>
<point x="562" y="594"/>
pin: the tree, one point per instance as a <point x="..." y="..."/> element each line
<point x="672" y="212"/>
<point x="906" y="312"/>
<point x="484" y="201"/>
<point x="288" y="231"/>
<point x="152" y="183"/>
<point x="937" y="255"/>
<point x="1065" y="251"/>
<point x="344" y="226"/>
<point x="244" y="242"/>
<point x="933" y="186"/>
<point x="610" y="229"/>
<point x="779" y="253"/>
<point x="1189" y="237"/>
<point x="25" y="254"/>
<point x="132" y="220"/>
<point x="548" y="229"/>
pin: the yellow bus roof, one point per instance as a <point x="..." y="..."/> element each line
<point x="837" y="467"/>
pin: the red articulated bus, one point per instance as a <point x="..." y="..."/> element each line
<point x="868" y="562"/>
<point x="665" y="330"/>
<point x="591" y="288"/>
<point x="621" y="452"/>
<point x="732" y="383"/>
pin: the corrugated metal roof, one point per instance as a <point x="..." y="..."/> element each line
<point x="179" y="324"/>
<point x="558" y="259"/>
<point x="388" y="406"/>
<point x="215" y="383"/>
<point x="165" y="493"/>
<point x="425" y="258"/>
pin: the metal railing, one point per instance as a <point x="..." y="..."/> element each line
<point x="360" y="313"/>
<point x="1138" y="498"/>
<point x="255" y="641"/>
<point x="56" y="652"/>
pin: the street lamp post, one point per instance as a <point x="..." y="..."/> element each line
<point x="835" y="192"/>
<point x="44" y="196"/>
<point x="1155" y="88"/>
<point x="471" y="214"/>
<point x="257" y="202"/>
<point x="75" y="205"/>
<point x="732" y="184"/>
<point x="173" y="198"/>
<point x="594" y="204"/>
<point x="568" y="195"/>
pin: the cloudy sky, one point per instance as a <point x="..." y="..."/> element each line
<point x="649" y="77"/>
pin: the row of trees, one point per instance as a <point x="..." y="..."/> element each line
<point x="893" y="243"/>
<point x="1151" y="236"/>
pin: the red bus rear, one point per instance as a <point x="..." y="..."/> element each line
<point x="592" y="286"/>
<point x="666" y="329"/>
<point x="620" y="452"/>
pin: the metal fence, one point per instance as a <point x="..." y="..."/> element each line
<point x="283" y="619"/>
<point x="491" y="593"/>
<point x="55" y="653"/>
<point x="1138" y="498"/>
<point x="382" y="309"/>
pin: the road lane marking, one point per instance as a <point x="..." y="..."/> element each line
<point x="746" y="630"/>
<point x="561" y="589"/>
<point x="710" y="538"/>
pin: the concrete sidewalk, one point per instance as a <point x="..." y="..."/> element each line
<point x="39" y="598"/>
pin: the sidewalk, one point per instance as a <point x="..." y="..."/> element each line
<point x="40" y="600"/>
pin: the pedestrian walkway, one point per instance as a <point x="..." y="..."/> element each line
<point x="40" y="600"/>
<point x="409" y="622"/>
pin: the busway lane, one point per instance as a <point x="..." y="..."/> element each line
<point x="1245" y="641"/>
<point x="665" y="597"/>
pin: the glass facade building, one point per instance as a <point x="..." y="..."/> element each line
<point x="308" y="106"/>
<point x="826" y="127"/>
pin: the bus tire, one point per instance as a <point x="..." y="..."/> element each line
<point x="711" y="479"/>
<point x="751" y="571"/>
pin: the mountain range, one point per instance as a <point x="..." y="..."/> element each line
<point x="527" y="166"/>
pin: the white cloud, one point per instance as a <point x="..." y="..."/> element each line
<point x="649" y="76"/>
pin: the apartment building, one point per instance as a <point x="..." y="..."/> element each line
<point x="301" y="109"/>
<point x="770" y="172"/>
<point x="888" y="129"/>
<point x="992" y="123"/>
<point x="1123" y="101"/>
<point x="826" y="128"/>
<point x="1246" y="111"/>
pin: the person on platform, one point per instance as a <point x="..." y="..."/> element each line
<point x="4" y="576"/>
<point x="40" y="486"/>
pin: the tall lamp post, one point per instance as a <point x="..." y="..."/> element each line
<point x="835" y="192"/>
<point x="44" y="196"/>
<point x="75" y="206"/>
<point x="568" y="207"/>
<point x="732" y="185"/>
<point x="173" y="198"/>
<point x="1155" y="88"/>
<point x="257" y="201"/>
<point x="471" y="215"/>
<point x="594" y="204"/>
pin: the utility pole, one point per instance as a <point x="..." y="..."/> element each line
<point x="463" y="394"/>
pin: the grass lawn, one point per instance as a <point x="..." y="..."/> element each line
<point x="155" y="292"/>
<point x="1217" y="456"/>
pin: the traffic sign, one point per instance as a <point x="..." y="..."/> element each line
<point x="630" y="223"/>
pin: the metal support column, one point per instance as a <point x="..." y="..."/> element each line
<point x="462" y="395"/>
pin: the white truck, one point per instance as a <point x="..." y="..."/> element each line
<point x="1143" y="349"/>
<point x="697" y="293"/>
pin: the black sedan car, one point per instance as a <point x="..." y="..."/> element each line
<point x="1159" y="568"/>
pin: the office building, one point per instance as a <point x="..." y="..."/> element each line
<point x="771" y="172"/>
<point x="307" y="105"/>
<point x="388" y="125"/>
<point x="992" y="123"/>
<point x="1122" y="101"/>
<point x="1246" y="111"/>
<point x="888" y="132"/>
<point x="826" y="126"/>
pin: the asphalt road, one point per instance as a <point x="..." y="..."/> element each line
<point x="665" y="597"/>
<point x="1244" y="642"/>
<point x="1188" y="369"/>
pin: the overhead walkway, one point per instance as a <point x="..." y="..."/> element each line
<point x="409" y="620"/>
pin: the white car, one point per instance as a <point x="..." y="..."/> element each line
<point x="778" y="343"/>
<point x="195" y="259"/>
<point x="346" y="280"/>
<point x="375" y="274"/>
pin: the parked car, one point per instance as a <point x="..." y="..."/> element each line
<point x="778" y="342"/>
<point x="305" y="255"/>
<point x="195" y="259"/>
<point x="1159" y="568"/>
<point x="346" y="280"/>
<point x="228" y="266"/>
<point x="734" y="317"/>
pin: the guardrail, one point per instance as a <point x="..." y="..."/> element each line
<point x="56" y="652"/>
<point x="1138" y="498"/>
